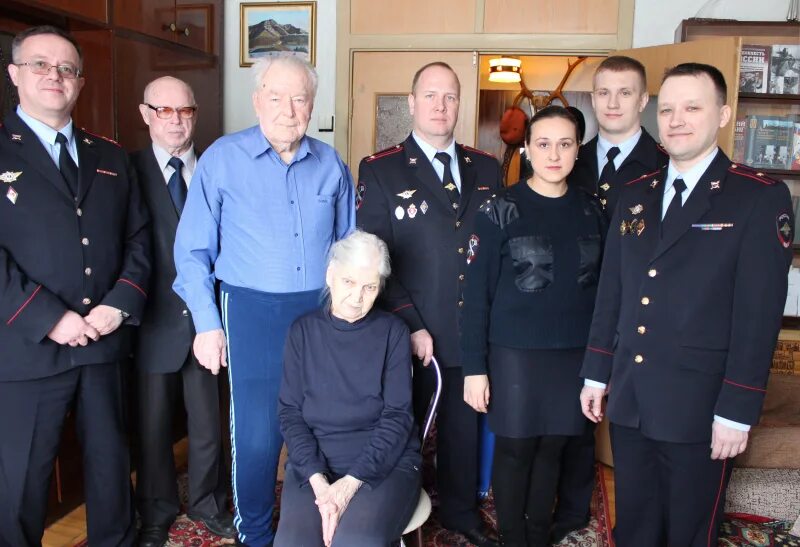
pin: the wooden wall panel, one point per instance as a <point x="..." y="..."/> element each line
<point x="95" y="108"/>
<point x="551" y="16"/>
<point x="139" y="62"/>
<point x="91" y="9"/>
<point x="412" y="16"/>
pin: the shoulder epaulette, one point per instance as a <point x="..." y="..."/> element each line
<point x="387" y="152"/>
<point x="109" y="139"/>
<point x="477" y="151"/>
<point x="643" y="177"/>
<point x="751" y="173"/>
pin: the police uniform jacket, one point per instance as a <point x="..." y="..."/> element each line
<point x="646" y="157"/>
<point x="400" y="198"/>
<point x="166" y="334"/>
<point x="60" y="253"/>
<point x="685" y="324"/>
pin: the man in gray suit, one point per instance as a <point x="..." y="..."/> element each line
<point x="164" y="361"/>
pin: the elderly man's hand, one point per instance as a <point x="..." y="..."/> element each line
<point x="73" y="329"/>
<point x="210" y="349"/>
<point x="727" y="442"/>
<point x="592" y="403"/>
<point x="476" y="391"/>
<point x="105" y="319"/>
<point x="422" y="346"/>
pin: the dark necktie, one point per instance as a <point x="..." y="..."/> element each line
<point x="176" y="185"/>
<point x="604" y="184"/>
<point x="67" y="165"/>
<point x="674" y="206"/>
<point x="447" y="179"/>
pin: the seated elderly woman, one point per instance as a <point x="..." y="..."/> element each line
<point x="352" y="477"/>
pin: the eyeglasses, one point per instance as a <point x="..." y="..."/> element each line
<point x="42" y="68"/>
<point x="166" y="112"/>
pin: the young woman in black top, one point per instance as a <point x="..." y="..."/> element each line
<point x="533" y="266"/>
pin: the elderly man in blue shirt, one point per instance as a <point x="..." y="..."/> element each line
<point x="263" y="209"/>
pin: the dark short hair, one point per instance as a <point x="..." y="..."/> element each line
<point x="440" y="64"/>
<point x="553" y="111"/>
<point x="579" y="117"/>
<point x="622" y="63"/>
<point x="16" y="44"/>
<point x="698" y="69"/>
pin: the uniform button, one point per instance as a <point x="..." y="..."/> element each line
<point x="185" y="313"/>
<point x="642" y="329"/>
<point x="88" y="271"/>
<point x="298" y="268"/>
<point x="461" y="250"/>
<point x="79" y="211"/>
<point x="652" y="273"/>
<point x="86" y="301"/>
<point x="645" y="301"/>
<point x="639" y="359"/>
<point x="85" y="241"/>
<point x="460" y="303"/>
<point x="461" y="277"/>
<point x="458" y="223"/>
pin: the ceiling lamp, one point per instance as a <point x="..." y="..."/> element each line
<point x="505" y="70"/>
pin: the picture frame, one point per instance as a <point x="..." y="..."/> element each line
<point x="268" y="28"/>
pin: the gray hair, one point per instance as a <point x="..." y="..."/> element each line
<point x="355" y="245"/>
<point x="262" y="65"/>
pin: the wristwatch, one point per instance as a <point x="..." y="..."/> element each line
<point x="124" y="314"/>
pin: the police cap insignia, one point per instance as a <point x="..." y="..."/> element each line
<point x="785" y="231"/>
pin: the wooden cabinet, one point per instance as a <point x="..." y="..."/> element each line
<point x="96" y="10"/>
<point x="186" y="22"/>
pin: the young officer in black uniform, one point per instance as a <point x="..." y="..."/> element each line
<point x="421" y="197"/>
<point x="688" y="311"/>
<point x="621" y="152"/>
<point x="74" y="265"/>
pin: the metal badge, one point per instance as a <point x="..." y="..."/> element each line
<point x="715" y="185"/>
<point x="636" y="209"/>
<point x="10" y="176"/>
<point x="406" y="194"/>
<point x="639" y="227"/>
<point x="12" y="195"/>
<point x="624" y="228"/>
<point x="654" y="183"/>
<point x="15" y="137"/>
<point x="87" y="140"/>
<point x="450" y="186"/>
<point x="412" y="211"/>
<point x="412" y="161"/>
<point x="423" y="207"/>
<point x="605" y="187"/>
<point x="399" y="213"/>
<point x="467" y="159"/>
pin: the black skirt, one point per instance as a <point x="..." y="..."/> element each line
<point x="535" y="392"/>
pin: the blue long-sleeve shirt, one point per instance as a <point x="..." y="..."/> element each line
<point x="345" y="398"/>
<point x="253" y="221"/>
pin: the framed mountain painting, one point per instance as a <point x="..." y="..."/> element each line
<point x="270" y="28"/>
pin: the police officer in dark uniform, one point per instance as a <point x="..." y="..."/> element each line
<point x="688" y="311"/>
<point x="621" y="152"/>
<point x="74" y="265"/>
<point x="421" y="197"/>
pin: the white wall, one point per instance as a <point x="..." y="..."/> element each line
<point x="655" y="21"/>
<point x="238" y="84"/>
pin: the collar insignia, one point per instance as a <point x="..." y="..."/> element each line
<point x="412" y="161"/>
<point x="15" y="137"/>
<point x="87" y="140"/>
<point x="467" y="159"/>
<point x="654" y="183"/>
<point x="715" y="185"/>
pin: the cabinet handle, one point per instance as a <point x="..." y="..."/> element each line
<point x="172" y="27"/>
<point x="186" y="31"/>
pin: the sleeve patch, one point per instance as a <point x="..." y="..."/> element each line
<point x="785" y="232"/>
<point x="472" y="251"/>
<point x="361" y="189"/>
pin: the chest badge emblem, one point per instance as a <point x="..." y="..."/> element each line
<point x="636" y="209"/>
<point x="10" y="176"/>
<point x="624" y="228"/>
<point x="412" y="211"/>
<point x="423" y="207"/>
<point x="399" y="213"/>
<point x="406" y="194"/>
<point x="12" y="195"/>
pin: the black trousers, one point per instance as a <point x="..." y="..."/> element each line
<point x="32" y="416"/>
<point x="525" y="480"/>
<point x="374" y="518"/>
<point x="156" y="486"/>
<point x="576" y="483"/>
<point x="666" y="493"/>
<point x="457" y="428"/>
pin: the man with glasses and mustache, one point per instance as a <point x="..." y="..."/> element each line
<point x="163" y="357"/>
<point x="74" y="266"/>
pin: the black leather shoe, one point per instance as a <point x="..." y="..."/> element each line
<point x="220" y="525"/>
<point x="479" y="537"/>
<point x="153" y="536"/>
